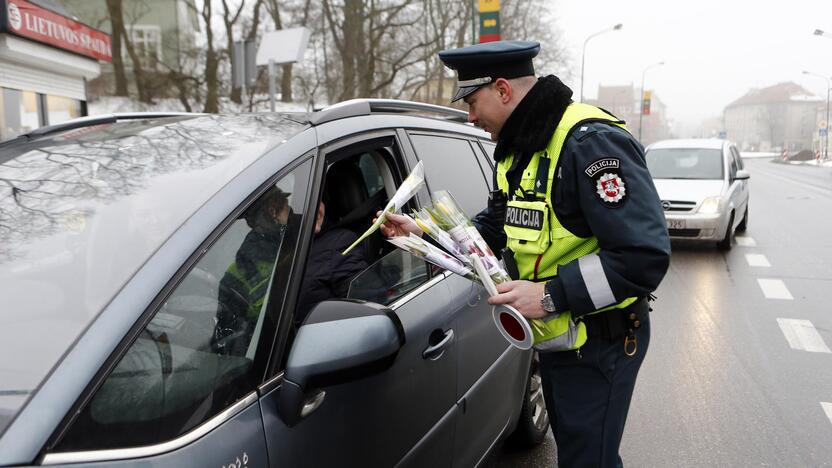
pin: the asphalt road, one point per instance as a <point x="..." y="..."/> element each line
<point x="739" y="371"/>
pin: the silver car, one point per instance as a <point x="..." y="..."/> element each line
<point x="155" y="309"/>
<point x="703" y="187"/>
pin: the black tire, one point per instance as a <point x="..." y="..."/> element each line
<point x="534" y="420"/>
<point x="744" y="223"/>
<point x="728" y="241"/>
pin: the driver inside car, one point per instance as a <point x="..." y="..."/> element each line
<point x="243" y="288"/>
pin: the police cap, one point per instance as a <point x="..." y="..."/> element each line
<point x="480" y="64"/>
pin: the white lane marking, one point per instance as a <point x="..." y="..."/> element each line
<point x="744" y="241"/>
<point x="774" y="289"/>
<point x="802" y="335"/>
<point x="827" y="408"/>
<point x="757" y="260"/>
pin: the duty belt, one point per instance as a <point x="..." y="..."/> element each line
<point x="616" y="323"/>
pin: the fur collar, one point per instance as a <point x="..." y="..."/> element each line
<point x="530" y="126"/>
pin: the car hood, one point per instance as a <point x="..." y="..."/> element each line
<point x="688" y="190"/>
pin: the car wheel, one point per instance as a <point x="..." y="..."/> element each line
<point x="534" y="420"/>
<point x="728" y="241"/>
<point x="744" y="223"/>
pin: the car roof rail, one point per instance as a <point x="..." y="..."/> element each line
<point x="98" y="120"/>
<point x="357" y="107"/>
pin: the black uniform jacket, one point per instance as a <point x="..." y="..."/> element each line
<point x="629" y="224"/>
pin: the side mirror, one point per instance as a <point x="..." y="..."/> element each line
<point x="742" y="174"/>
<point x="340" y="341"/>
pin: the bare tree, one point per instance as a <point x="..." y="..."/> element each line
<point x="532" y="20"/>
<point x="229" y="20"/>
<point x="212" y="63"/>
<point x="117" y="22"/>
<point x="274" y="10"/>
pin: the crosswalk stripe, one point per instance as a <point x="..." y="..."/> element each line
<point x="827" y="408"/>
<point x="745" y="241"/>
<point x="757" y="260"/>
<point x="802" y="335"/>
<point x="774" y="289"/>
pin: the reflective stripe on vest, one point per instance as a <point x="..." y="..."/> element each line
<point x="564" y="246"/>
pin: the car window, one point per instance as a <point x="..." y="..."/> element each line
<point x="448" y="162"/>
<point x="357" y="185"/>
<point x="389" y="278"/>
<point x="733" y="166"/>
<point x="737" y="157"/>
<point x="207" y="345"/>
<point x="371" y="172"/>
<point x="685" y="163"/>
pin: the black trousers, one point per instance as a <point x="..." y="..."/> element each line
<point x="588" y="396"/>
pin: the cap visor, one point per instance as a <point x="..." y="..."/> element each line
<point x="465" y="91"/>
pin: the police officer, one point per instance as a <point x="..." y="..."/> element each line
<point x="585" y="234"/>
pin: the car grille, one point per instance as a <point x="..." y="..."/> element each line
<point x="677" y="205"/>
<point x="683" y="232"/>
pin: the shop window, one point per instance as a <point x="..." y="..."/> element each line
<point x="18" y="112"/>
<point x="60" y="109"/>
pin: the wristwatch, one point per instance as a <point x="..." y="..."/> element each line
<point x="547" y="303"/>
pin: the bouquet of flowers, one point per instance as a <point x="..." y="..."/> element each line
<point x="423" y="249"/>
<point x="449" y="217"/>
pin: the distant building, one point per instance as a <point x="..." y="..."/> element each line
<point x="783" y="116"/>
<point x="46" y="58"/>
<point x="163" y="34"/>
<point x="625" y="103"/>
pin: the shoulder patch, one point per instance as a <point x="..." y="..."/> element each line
<point x="608" y="181"/>
<point x="601" y="164"/>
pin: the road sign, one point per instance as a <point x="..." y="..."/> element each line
<point x="822" y="124"/>
<point x="489" y="20"/>
<point x="283" y="46"/>
<point x="823" y="131"/>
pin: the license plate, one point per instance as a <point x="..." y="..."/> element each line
<point x="675" y="223"/>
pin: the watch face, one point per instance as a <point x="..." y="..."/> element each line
<point x="547" y="303"/>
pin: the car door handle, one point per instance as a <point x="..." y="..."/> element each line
<point x="311" y="404"/>
<point x="434" y="352"/>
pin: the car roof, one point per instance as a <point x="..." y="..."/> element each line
<point x="704" y="143"/>
<point x="84" y="208"/>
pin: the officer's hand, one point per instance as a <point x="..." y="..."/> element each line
<point x="398" y="225"/>
<point x="523" y="295"/>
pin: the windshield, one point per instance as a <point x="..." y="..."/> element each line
<point x="685" y="163"/>
<point x="81" y="211"/>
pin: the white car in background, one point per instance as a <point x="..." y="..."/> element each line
<point x="703" y="188"/>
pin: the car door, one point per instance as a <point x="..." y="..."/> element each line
<point x="405" y="415"/>
<point x="491" y="376"/>
<point x="183" y="390"/>
<point x="743" y="191"/>
<point x="735" y="187"/>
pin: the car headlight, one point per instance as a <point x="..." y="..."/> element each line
<point x="709" y="206"/>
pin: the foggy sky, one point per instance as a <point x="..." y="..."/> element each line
<point x="714" y="51"/>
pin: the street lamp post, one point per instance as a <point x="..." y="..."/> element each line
<point x="583" y="53"/>
<point x="828" y="88"/>
<point x="641" y="99"/>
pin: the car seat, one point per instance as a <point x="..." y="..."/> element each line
<point x="348" y="204"/>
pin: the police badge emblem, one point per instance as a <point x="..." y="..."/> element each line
<point x="608" y="182"/>
<point x="610" y="188"/>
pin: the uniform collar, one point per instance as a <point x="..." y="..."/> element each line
<point x="531" y="125"/>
